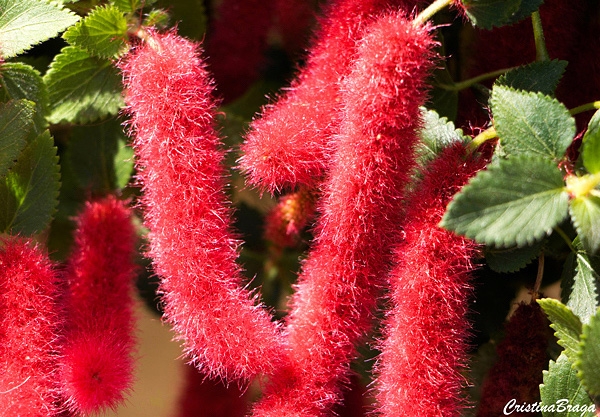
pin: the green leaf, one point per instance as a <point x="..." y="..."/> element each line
<point x="515" y="202"/>
<point x="128" y="6"/>
<point x="82" y="88"/>
<point x="585" y="213"/>
<point x="531" y="123"/>
<point x="94" y="154"/>
<point x="102" y="33"/>
<point x="436" y="134"/>
<point x="539" y="76"/>
<point x="124" y="164"/>
<point x="565" y="323"/>
<point x="588" y="356"/>
<point x="21" y="81"/>
<point x="583" y="295"/>
<point x="561" y="389"/>
<point x="24" y="23"/>
<point x="487" y="14"/>
<point x="29" y="193"/>
<point x="590" y="150"/>
<point x="16" y="120"/>
<point x="511" y="259"/>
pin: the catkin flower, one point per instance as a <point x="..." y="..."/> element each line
<point x="236" y="44"/>
<point x="96" y="363"/>
<point x="291" y="144"/>
<point x="193" y="249"/>
<point x="517" y="373"/>
<point x="360" y="211"/>
<point x="289" y="217"/>
<point x="29" y="324"/>
<point x="204" y="397"/>
<point x="424" y="348"/>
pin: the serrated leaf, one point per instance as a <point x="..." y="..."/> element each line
<point x="102" y="33"/>
<point x="16" y="120"/>
<point x="93" y="156"/>
<point x="583" y="295"/>
<point x="565" y="323"/>
<point x="561" y="389"/>
<point x="436" y="134"/>
<point x="22" y="81"/>
<point x="515" y="202"/>
<point x="588" y="356"/>
<point x="590" y="150"/>
<point x="511" y="259"/>
<point x="531" y="123"/>
<point x="24" y="23"/>
<point x="487" y="14"/>
<point x="585" y="213"/>
<point x="127" y="6"/>
<point x="82" y="88"/>
<point x="29" y="193"/>
<point x="539" y="76"/>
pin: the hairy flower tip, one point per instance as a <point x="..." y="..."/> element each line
<point x="291" y="143"/>
<point x="236" y="44"/>
<point x="340" y="280"/>
<point x="96" y="364"/>
<point x="426" y="335"/>
<point x="204" y="397"/>
<point x="29" y="324"/>
<point x="289" y="217"/>
<point x="522" y="356"/>
<point x="193" y="249"/>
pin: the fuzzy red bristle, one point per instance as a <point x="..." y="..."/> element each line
<point x="291" y="143"/>
<point x="424" y="346"/>
<point x="361" y="208"/>
<point x="29" y="324"/>
<point x="179" y="160"/>
<point x="96" y="363"/>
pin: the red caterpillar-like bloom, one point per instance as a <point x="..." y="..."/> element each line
<point x="193" y="249"/>
<point x="289" y="217"/>
<point x="361" y="208"/>
<point x="517" y="373"/>
<point x="236" y="44"/>
<point x="204" y="397"/>
<point x="29" y="323"/>
<point x="291" y="143"/>
<point x="425" y="339"/>
<point x="96" y="363"/>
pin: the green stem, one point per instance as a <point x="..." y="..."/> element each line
<point x="594" y="105"/>
<point x="468" y="83"/>
<point x="566" y="238"/>
<point x="484" y="136"/>
<point x="430" y="11"/>
<point x="539" y="277"/>
<point x="538" y="35"/>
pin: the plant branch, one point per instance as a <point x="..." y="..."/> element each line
<point x="468" y="83"/>
<point x="539" y="277"/>
<point x="594" y="105"/>
<point x="538" y="35"/>
<point x="430" y="11"/>
<point x="481" y="138"/>
<point x="566" y="238"/>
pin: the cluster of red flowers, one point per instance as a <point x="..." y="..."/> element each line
<point x="66" y="339"/>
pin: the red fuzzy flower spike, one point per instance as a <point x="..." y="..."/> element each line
<point x="29" y="323"/>
<point x="193" y="249"/>
<point x="236" y="45"/>
<point x="338" y="287"/>
<point x="425" y="345"/>
<point x="291" y="143"/>
<point x="204" y="397"/>
<point x="285" y="221"/>
<point x="96" y="364"/>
